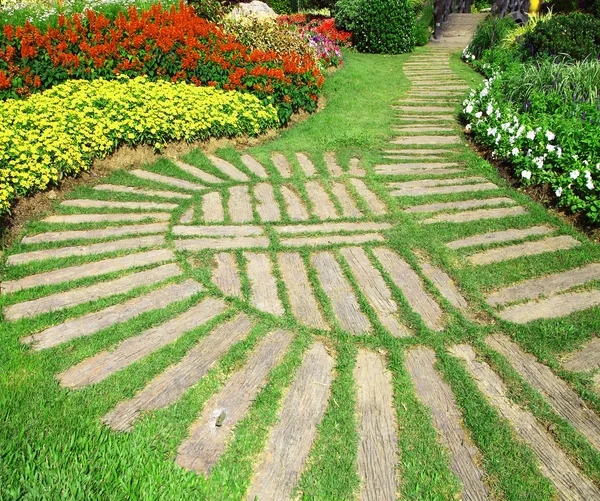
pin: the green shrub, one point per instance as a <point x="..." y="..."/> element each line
<point x="266" y="34"/>
<point x="563" y="6"/>
<point x="346" y="14"/>
<point x="212" y="10"/>
<point x="574" y="35"/>
<point x="281" y="6"/>
<point x="490" y="33"/>
<point x="424" y="15"/>
<point x="384" y="27"/>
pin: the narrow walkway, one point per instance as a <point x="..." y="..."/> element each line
<point x="308" y="243"/>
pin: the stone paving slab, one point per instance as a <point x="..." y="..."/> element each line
<point x="226" y="275"/>
<point x="263" y="286"/>
<point x="477" y="215"/>
<point x="117" y="231"/>
<point x="254" y="166"/>
<point x="323" y="207"/>
<point x="199" y="173"/>
<point x="282" y="164"/>
<point x="171" y="181"/>
<point x="228" y="169"/>
<point x="332" y="240"/>
<point x="306" y="164"/>
<point x="463" y="204"/>
<point x="218" y="231"/>
<point x="239" y="205"/>
<point x="107" y="204"/>
<point x="331" y="228"/>
<point x="113" y="188"/>
<point x="106" y="218"/>
<point x="196" y="244"/>
<point x="332" y="165"/>
<point x="212" y="207"/>
<point x="373" y="203"/>
<point x="349" y="208"/>
<point x="500" y="236"/>
<point x="267" y="206"/>
<point x="293" y="204"/>
<point x="586" y="359"/>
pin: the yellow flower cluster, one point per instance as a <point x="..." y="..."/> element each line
<point x="60" y="131"/>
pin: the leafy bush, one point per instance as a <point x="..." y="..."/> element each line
<point x="267" y="34"/>
<point x="59" y="132"/>
<point x="489" y="34"/>
<point x="575" y="35"/>
<point x="173" y="44"/>
<point x="346" y="13"/>
<point x="211" y="10"/>
<point x="384" y="27"/>
<point x="528" y="117"/>
<point x="424" y="22"/>
<point x="280" y="6"/>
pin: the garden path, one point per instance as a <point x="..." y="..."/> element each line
<point x="310" y="242"/>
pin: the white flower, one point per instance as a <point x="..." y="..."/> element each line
<point x="558" y="151"/>
<point x="590" y="185"/>
<point x="529" y="152"/>
<point x="574" y="174"/>
<point x="492" y="131"/>
<point x="505" y="126"/>
<point x="515" y="151"/>
<point x="490" y="109"/>
<point x="539" y="161"/>
<point x="472" y="56"/>
<point x="498" y="138"/>
<point x="468" y="127"/>
<point x="498" y="114"/>
<point x="531" y="134"/>
<point x="484" y="92"/>
<point x="478" y="114"/>
<point x="469" y="109"/>
<point x="520" y="131"/>
<point x="550" y="135"/>
<point x="550" y="147"/>
<point x="559" y="191"/>
<point x="526" y="174"/>
<point x="588" y="175"/>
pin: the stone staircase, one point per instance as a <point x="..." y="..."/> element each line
<point x="459" y="30"/>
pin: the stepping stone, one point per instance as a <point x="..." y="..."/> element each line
<point x="477" y="215"/>
<point x="373" y="203"/>
<point x="332" y="228"/>
<point x="239" y="206"/>
<point x="562" y="398"/>
<point x="550" y="244"/>
<point x="427" y="183"/>
<point x="306" y="165"/>
<point x="421" y="151"/>
<point x="554" y="307"/>
<point x="443" y="190"/>
<point x="376" y="291"/>
<point x="290" y="442"/>
<point x="331" y="240"/>
<point x="196" y="172"/>
<point x="419" y="129"/>
<point x="349" y="208"/>
<point x="88" y="270"/>
<point x="212" y="207"/>
<point x="302" y="300"/>
<point x="59" y="236"/>
<point x="332" y="165"/>
<point x="226" y="275"/>
<point x="267" y="207"/>
<point x="415" y="118"/>
<point x="86" y="250"/>
<point x="570" y="483"/>
<point x="105" y="204"/>
<point x="171" y="181"/>
<point x="187" y="216"/>
<point x="545" y="286"/>
<point x="293" y="204"/>
<point x="444" y="284"/>
<point x="254" y="166"/>
<point x="423" y="159"/>
<point x="414" y="168"/>
<point x="356" y="169"/>
<point x="217" y="231"/>
<point x="208" y="436"/>
<point x="464" y="204"/>
<point x="427" y="140"/>
<point x="105" y="364"/>
<point x="586" y="359"/>
<point x="227" y="168"/>
<point x="499" y="236"/>
<point x="197" y="244"/>
<point x="377" y="430"/>
<point x="97" y="321"/>
<point x="106" y="218"/>
<point x="263" y="286"/>
<point x="141" y="192"/>
<point x="323" y="207"/>
<point x="281" y="164"/>
<point x="425" y="109"/>
<point x="435" y="393"/>
<point x="82" y="295"/>
<point x="177" y="379"/>
<point x="407" y="280"/>
<point x="340" y="294"/>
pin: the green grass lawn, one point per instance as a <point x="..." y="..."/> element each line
<point x="54" y="446"/>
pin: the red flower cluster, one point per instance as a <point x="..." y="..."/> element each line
<point x="173" y="44"/>
<point x="322" y="26"/>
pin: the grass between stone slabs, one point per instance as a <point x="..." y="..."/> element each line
<point x="53" y="444"/>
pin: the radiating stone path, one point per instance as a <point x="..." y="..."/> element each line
<point x="315" y="241"/>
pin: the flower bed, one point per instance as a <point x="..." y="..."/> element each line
<point x="60" y="131"/>
<point x="172" y="44"/>
<point x="546" y="140"/>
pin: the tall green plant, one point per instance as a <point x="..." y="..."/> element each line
<point x="385" y="27"/>
<point x="490" y="33"/>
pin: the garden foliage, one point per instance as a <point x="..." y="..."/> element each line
<point x="384" y="27"/>
<point x="174" y="44"/>
<point x="60" y="132"/>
